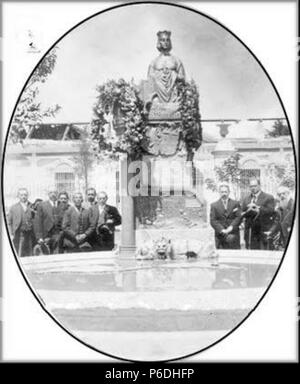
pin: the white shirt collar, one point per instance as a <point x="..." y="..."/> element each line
<point x="256" y="194"/>
<point x="24" y="205"/>
<point x="101" y="208"/>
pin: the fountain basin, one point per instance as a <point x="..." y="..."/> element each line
<point x="96" y="295"/>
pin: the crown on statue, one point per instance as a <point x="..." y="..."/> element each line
<point x="161" y="33"/>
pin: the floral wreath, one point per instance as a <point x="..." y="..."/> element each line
<point x="126" y="131"/>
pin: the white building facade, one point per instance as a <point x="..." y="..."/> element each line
<point x="41" y="163"/>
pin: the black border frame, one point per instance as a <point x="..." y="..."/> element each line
<point x="186" y="8"/>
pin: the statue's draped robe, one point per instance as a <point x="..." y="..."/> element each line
<point x="163" y="72"/>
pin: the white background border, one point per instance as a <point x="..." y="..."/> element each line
<point x="270" y="333"/>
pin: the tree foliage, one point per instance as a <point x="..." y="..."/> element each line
<point x="283" y="174"/>
<point x="211" y="184"/>
<point x="279" y="129"/>
<point x="228" y="172"/>
<point x="29" y="110"/>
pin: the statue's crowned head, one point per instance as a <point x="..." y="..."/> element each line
<point x="164" y="44"/>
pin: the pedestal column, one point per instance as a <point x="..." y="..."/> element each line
<point x="128" y="245"/>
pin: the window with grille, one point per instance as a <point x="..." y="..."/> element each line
<point x="245" y="176"/>
<point x="65" y="181"/>
<point x="197" y="177"/>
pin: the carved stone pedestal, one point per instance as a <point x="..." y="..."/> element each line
<point x="164" y="138"/>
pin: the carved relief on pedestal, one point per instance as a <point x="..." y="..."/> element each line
<point x="163" y="138"/>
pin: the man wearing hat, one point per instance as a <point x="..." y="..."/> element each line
<point x="225" y="218"/>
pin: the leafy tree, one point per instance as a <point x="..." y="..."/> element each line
<point x="284" y="174"/>
<point x="228" y="172"/>
<point x="28" y="110"/>
<point x="211" y="184"/>
<point x="279" y="129"/>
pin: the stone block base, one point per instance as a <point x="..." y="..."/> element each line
<point x="127" y="251"/>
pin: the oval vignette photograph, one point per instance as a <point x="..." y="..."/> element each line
<point x="149" y="182"/>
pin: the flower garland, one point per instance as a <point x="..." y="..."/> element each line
<point x="120" y="98"/>
<point x="190" y="115"/>
<point x="128" y="126"/>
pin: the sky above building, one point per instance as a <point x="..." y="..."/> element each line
<point x="121" y="44"/>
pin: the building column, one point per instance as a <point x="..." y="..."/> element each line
<point x="34" y="172"/>
<point x="128" y="245"/>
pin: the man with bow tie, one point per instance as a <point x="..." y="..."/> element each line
<point x="225" y="218"/>
<point x="258" y="211"/>
<point x="20" y="223"/>
<point x="104" y="219"/>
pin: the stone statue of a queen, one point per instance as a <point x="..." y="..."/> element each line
<point x="164" y="70"/>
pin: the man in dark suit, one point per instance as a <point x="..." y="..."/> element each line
<point x="225" y="218"/>
<point x="283" y="220"/>
<point x="20" y="222"/>
<point x="258" y="211"/>
<point x="48" y="221"/>
<point x="76" y="226"/>
<point x="104" y="219"/>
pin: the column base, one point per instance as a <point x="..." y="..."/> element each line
<point x="127" y="251"/>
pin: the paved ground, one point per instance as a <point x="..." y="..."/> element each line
<point x="134" y="320"/>
<point x="149" y="346"/>
<point x="209" y="300"/>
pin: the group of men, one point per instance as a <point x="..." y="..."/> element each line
<point x="266" y="224"/>
<point x="55" y="226"/>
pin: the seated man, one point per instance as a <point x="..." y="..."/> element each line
<point x="48" y="220"/>
<point x="104" y="219"/>
<point x="76" y="226"/>
<point x="225" y="218"/>
<point x="283" y="220"/>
